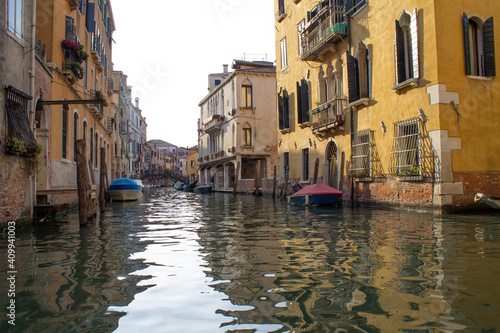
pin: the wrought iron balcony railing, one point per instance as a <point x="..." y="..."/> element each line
<point x="329" y="26"/>
<point x="328" y="115"/>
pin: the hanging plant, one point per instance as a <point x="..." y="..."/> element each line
<point x="14" y="146"/>
<point x="18" y="147"/>
<point x="77" y="69"/>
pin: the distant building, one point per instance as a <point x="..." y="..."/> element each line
<point x="237" y="126"/>
<point x="192" y="164"/>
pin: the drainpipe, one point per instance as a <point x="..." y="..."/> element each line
<point x="33" y="100"/>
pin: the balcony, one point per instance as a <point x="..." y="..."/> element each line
<point x="328" y="116"/>
<point x="323" y="31"/>
<point x="213" y="123"/>
<point x="96" y="109"/>
<point x="71" y="69"/>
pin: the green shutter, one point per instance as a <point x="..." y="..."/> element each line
<point x="465" y="21"/>
<point x="352" y="78"/>
<point x="305" y="100"/>
<point x="299" y="104"/>
<point x="489" y="48"/>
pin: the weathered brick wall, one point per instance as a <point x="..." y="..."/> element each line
<point x="246" y="186"/>
<point x="391" y="190"/>
<point x="476" y="182"/>
<point x="14" y="182"/>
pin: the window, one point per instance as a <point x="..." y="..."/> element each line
<point x="302" y="101"/>
<point x="358" y="74"/>
<point x="246" y="95"/>
<point x="305" y="165"/>
<point x="217" y="82"/>
<point x="284" y="60"/>
<point x="15" y="17"/>
<point x="406" y="150"/>
<point x="284" y="110"/>
<point x="247" y="135"/>
<point x="96" y="146"/>
<point x="361" y="151"/>
<point x="75" y="134"/>
<point x="64" y="131"/>
<point x="281" y="6"/>
<point x="479" y="43"/>
<point x="406" y="47"/>
<point x="300" y="27"/>
<point x="353" y="6"/>
<point x="81" y="7"/>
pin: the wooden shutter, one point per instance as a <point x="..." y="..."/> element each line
<point x="399" y="54"/>
<point x="286" y="110"/>
<point x="468" y="69"/>
<point x="414" y="44"/>
<point x="280" y="112"/>
<point x="352" y="77"/>
<point x="299" y="104"/>
<point x="305" y="100"/>
<point x="363" y="70"/>
<point x="90" y="17"/>
<point x="489" y="48"/>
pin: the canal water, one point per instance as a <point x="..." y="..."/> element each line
<point x="180" y="262"/>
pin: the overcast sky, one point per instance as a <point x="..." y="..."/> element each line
<point x="167" y="49"/>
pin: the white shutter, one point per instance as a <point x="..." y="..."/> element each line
<point x="414" y="44"/>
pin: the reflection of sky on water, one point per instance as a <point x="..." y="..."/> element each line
<point x="177" y="262"/>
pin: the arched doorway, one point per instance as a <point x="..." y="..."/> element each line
<point x="331" y="165"/>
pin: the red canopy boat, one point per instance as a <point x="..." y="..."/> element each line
<point x="317" y="194"/>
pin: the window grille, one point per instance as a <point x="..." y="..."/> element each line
<point x="361" y="161"/>
<point x="16" y="104"/>
<point x="406" y="155"/>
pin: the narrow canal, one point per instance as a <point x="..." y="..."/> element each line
<point x="179" y="262"/>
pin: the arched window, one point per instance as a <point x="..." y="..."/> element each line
<point x="247" y="134"/>
<point x="479" y="45"/>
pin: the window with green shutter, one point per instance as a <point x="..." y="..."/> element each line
<point x="479" y="46"/>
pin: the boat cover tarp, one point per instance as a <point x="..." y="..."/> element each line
<point x="318" y="189"/>
<point x="121" y="184"/>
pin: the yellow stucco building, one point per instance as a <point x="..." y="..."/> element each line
<point x="76" y="37"/>
<point x="389" y="102"/>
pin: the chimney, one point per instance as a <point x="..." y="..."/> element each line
<point x="225" y="68"/>
<point x="137" y="102"/>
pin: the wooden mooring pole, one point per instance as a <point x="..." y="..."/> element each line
<point x="102" y="182"/>
<point x="274" y="182"/>
<point x="82" y="182"/>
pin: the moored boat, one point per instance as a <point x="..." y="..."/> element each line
<point x="493" y="202"/>
<point x="316" y="195"/>
<point x="124" y="189"/>
<point x="203" y="189"/>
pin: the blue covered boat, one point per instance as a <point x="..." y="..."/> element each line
<point x="316" y="195"/>
<point x="124" y="189"/>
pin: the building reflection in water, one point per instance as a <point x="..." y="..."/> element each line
<point x="70" y="276"/>
<point x="313" y="270"/>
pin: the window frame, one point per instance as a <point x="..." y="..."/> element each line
<point x="15" y="15"/>
<point x="284" y="57"/>
<point x="305" y="167"/>
<point x="246" y="132"/>
<point x="246" y="95"/>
